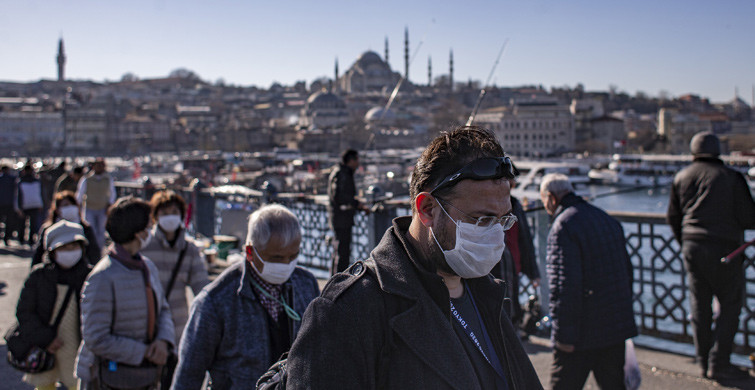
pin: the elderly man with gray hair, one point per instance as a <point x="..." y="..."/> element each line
<point x="242" y="322"/>
<point x="590" y="281"/>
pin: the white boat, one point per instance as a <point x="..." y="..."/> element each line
<point x="532" y="173"/>
<point x="639" y="170"/>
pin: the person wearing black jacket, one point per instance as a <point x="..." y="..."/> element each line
<point x="423" y="311"/>
<point x="42" y="297"/>
<point x="709" y="208"/>
<point x="342" y="204"/>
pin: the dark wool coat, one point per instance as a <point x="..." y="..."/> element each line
<point x="387" y="324"/>
<point x="590" y="277"/>
<point x="342" y="191"/>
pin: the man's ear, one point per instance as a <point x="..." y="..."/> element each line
<point x="425" y="203"/>
<point x="248" y="249"/>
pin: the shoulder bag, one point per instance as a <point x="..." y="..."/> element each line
<point x="27" y="357"/>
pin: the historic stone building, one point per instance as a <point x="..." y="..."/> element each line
<point x="368" y="74"/>
<point x="531" y="128"/>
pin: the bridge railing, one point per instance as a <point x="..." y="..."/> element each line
<point x="661" y="304"/>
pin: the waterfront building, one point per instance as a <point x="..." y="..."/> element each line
<point x="32" y="131"/>
<point x="678" y="128"/>
<point x="535" y="128"/>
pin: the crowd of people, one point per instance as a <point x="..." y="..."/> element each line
<point x="120" y="294"/>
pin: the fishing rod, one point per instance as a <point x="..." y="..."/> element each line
<point x="394" y="93"/>
<point x="487" y="82"/>
<point x="728" y="258"/>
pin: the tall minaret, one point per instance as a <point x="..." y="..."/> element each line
<point x="335" y="81"/>
<point x="429" y="71"/>
<point x="406" y="53"/>
<point x="61" y="61"/>
<point x="451" y="70"/>
<point x="386" y="50"/>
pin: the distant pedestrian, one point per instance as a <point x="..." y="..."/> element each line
<point x="48" y="177"/>
<point x="590" y="280"/>
<point x="64" y="207"/>
<point x="126" y="327"/>
<point x="95" y="194"/>
<point x="178" y="259"/>
<point x="709" y="209"/>
<point x="30" y="204"/>
<point x="518" y="258"/>
<point x="342" y="205"/>
<point x="52" y="290"/>
<point x="70" y="180"/>
<point x="242" y="322"/>
<point x="8" y="193"/>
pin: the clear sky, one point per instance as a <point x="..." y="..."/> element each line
<point x="678" y="46"/>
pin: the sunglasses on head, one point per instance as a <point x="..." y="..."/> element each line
<point x="485" y="168"/>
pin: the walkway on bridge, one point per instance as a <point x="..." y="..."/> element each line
<point x="660" y="370"/>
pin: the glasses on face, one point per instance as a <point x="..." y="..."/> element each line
<point x="507" y="221"/>
<point x="485" y="168"/>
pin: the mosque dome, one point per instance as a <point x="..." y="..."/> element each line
<point x="379" y="113"/>
<point x="325" y="100"/>
<point x="369" y="58"/>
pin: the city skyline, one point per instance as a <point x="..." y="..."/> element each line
<point x="678" y="47"/>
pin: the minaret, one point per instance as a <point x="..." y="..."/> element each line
<point x="406" y="53"/>
<point x="451" y="70"/>
<point x="61" y="61"/>
<point x="386" y="50"/>
<point x="429" y="71"/>
<point x="335" y="81"/>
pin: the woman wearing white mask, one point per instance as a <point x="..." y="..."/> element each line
<point x="126" y="328"/>
<point x="50" y="296"/>
<point x="177" y="258"/>
<point x="64" y="207"/>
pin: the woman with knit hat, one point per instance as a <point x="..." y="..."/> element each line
<point x="52" y="290"/>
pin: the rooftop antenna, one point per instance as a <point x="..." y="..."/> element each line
<point x="487" y="82"/>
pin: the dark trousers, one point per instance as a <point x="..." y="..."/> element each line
<point x="342" y="252"/>
<point x="34" y="216"/>
<point x="708" y="277"/>
<point x="570" y="369"/>
<point x="8" y="217"/>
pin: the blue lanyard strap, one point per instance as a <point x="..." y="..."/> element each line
<point x="497" y="366"/>
<point x="468" y="329"/>
<point x="290" y="312"/>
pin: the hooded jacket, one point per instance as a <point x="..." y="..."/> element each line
<point x="386" y="324"/>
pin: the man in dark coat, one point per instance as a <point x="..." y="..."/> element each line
<point x="709" y="209"/>
<point x="342" y="204"/>
<point x="590" y="281"/>
<point x="423" y="311"/>
<point x="8" y="193"/>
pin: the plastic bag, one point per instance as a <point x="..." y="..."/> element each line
<point x="632" y="374"/>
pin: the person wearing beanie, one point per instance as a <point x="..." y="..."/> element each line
<point x="54" y="287"/>
<point x="709" y="209"/>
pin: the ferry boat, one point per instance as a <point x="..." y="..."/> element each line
<point x="639" y="170"/>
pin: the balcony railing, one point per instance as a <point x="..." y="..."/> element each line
<point x="660" y="287"/>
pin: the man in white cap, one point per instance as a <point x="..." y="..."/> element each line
<point x="709" y="209"/>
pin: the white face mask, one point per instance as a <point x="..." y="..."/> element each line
<point x="275" y="273"/>
<point x="67" y="259"/>
<point x="146" y="240"/>
<point x="169" y="223"/>
<point x="70" y="213"/>
<point x="478" y="249"/>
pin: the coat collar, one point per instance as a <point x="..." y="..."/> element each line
<point x="159" y="236"/>
<point x="426" y="326"/>
<point x="567" y="201"/>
